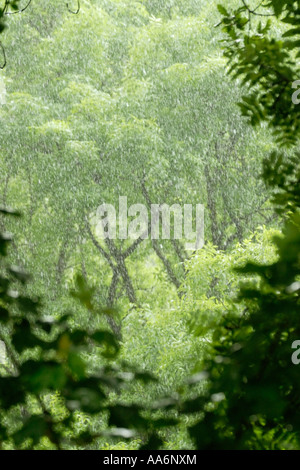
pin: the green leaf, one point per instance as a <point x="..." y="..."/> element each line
<point x="222" y="10"/>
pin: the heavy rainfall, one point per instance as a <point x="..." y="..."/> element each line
<point x="117" y="342"/>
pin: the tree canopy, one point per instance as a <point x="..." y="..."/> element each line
<point x="135" y="344"/>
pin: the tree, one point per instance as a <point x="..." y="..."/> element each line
<point x="251" y="398"/>
<point x="135" y="111"/>
<point x="146" y="111"/>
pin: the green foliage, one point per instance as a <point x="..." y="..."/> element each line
<point x="251" y="392"/>
<point x="212" y="282"/>
<point x="266" y="63"/>
<point x="130" y="98"/>
<point x="47" y="361"/>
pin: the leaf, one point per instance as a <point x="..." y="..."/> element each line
<point x="222" y="10"/>
<point x="76" y="365"/>
<point x="11" y="392"/>
<point x="34" y="428"/>
<point x="23" y="338"/>
<point x="4" y="315"/>
<point x="39" y="377"/>
<point x="126" y="416"/>
<point x="108" y="341"/>
<point x="83" y="292"/>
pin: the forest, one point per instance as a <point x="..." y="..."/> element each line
<point x="149" y="225"/>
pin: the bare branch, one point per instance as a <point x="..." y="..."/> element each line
<point x="98" y="246"/>
<point x="18" y="11"/>
<point x="254" y="12"/>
